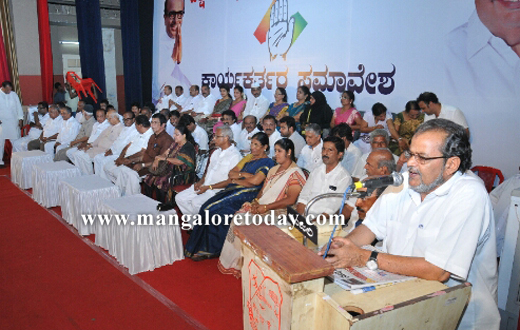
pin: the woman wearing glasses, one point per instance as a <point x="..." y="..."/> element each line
<point x="347" y="113"/>
<point x="279" y="106"/>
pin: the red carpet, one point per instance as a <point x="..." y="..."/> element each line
<point x="51" y="279"/>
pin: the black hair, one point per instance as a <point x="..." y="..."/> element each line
<point x="412" y="105"/>
<point x="456" y="142"/>
<point x="185" y="131"/>
<point x="131" y="114"/>
<point x="306" y="91"/>
<point x="142" y="120"/>
<point x="263" y="139"/>
<point x="284" y="93"/>
<point x="161" y="118"/>
<point x="169" y="87"/>
<point x="378" y="109"/>
<point x="175" y="113"/>
<point x="351" y="96"/>
<point x="56" y="85"/>
<point x="427" y="97"/>
<point x="286" y="144"/>
<point x="44" y="104"/>
<point x="240" y="89"/>
<point x="186" y="120"/>
<point x="342" y="130"/>
<point x="196" y="87"/>
<point x="104" y="101"/>
<point x="289" y="121"/>
<point x="270" y="117"/>
<point x="136" y="104"/>
<point x="338" y="143"/>
<point x="226" y="87"/>
<point x="230" y="113"/>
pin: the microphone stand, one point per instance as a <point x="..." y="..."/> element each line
<point x="327" y="195"/>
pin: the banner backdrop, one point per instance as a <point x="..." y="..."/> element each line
<point x="384" y="51"/>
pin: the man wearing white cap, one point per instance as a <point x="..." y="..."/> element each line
<point x="258" y="104"/>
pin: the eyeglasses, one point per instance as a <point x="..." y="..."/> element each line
<point x="344" y="98"/>
<point x="420" y="159"/>
<point x="173" y="14"/>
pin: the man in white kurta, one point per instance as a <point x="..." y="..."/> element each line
<point x="128" y="133"/>
<point x="329" y="177"/>
<point x="352" y="153"/>
<point x="310" y="157"/>
<point x="432" y="108"/>
<point x="179" y="98"/>
<point x="204" y="107"/>
<point x="440" y="226"/>
<point x="257" y="105"/>
<point x="11" y="116"/>
<point x="221" y="162"/>
<point x="229" y="118"/>
<point x="288" y="130"/>
<point x="50" y="131"/>
<point x="269" y="126"/>
<point x="164" y="101"/>
<point x="136" y="146"/>
<point x="99" y="126"/>
<point x="193" y="100"/>
<point x="68" y="132"/>
<point x="244" y="139"/>
<point x="38" y="117"/>
<point x="83" y="159"/>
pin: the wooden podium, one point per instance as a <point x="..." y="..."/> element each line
<point x="284" y="286"/>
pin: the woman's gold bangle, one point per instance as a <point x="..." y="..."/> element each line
<point x="210" y="187"/>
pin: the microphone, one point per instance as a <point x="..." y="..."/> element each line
<point x="394" y="179"/>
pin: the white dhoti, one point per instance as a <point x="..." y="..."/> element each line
<point x="70" y="154"/>
<point x="99" y="163"/>
<point x="128" y="181"/>
<point x="189" y="202"/>
<point x="21" y="143"/>
<point x="9" y="130"/>
<point x="49" y="147"/>
<point x="83" y="161"/>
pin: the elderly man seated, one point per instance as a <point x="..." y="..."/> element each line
<point x="98" y="127"/>
<point x="244" y="139"/>
<point x="379" y="138"/>
<point x="85" y="131"/>
<point x="225" y="158"/>
<point x="50" y="131"/>
<point x="84" y="158"/>
<point x="68" y="131"/>
<point x="311" y="156"/>
<point x="128" y="133"/>
<point x="128" y="177"/>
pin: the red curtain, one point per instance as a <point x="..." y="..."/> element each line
<point x="4" y="69"/>
<point x="44" y="30"/>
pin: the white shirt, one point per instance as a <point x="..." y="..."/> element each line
<point x="35" y="132"/>
<point x="311" y="158"/>
<point x="170" y="129"/>
<point x="320" y="182"/>
<point x="244" y="139"/>
<point x="236" y="129"/>
<point x="451" y="113"/>
<point x="272" y="140"/>
<point x="190" y="103"/>
<point x="501" y="200"/>
<point x="299" y="143"/>
<point x="351" y="158"/>
<point x="181" y="99"/>
<point x="256" y="106"/>
<point x="97" y="129"/>
<point x="126" y="135"/>
<point x="139" y="142"/>
<point x="205" y="105"/>
<point x="10" y="114"/>
<point x="201" y="137"/>
<point x="164" y="102"/>
<point x="453" y="229"/>
<point x="220" y="163"/>
<point x="68" y="132"/>
<point x="52" y="126"/>
<point x="359" y="168"/>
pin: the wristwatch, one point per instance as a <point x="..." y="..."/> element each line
<point x="372" y="261"/>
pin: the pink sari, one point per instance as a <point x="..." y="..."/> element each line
<point x="348" y="116"/>
<point x="238" y="108"/>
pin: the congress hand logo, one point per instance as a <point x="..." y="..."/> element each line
<point x="280" y="30"/>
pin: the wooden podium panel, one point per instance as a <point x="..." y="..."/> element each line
<point x="283" y="287"/>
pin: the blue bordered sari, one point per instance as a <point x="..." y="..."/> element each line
<point x="210" y="239"/>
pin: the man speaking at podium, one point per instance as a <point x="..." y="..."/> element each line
<point x="440" y="226"/>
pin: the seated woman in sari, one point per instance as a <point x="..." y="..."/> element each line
<point x="175" y="167"/>
<point x="221" y="105"/>
<point x="281" y="189"/>
<point x="347" y="113"/>
<point x="243" y="184"/>
<point x="406" y="123"/>
<point x="295" y="110"/>
<point x="278" y="108"/>
<point x="239" y="103"/>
